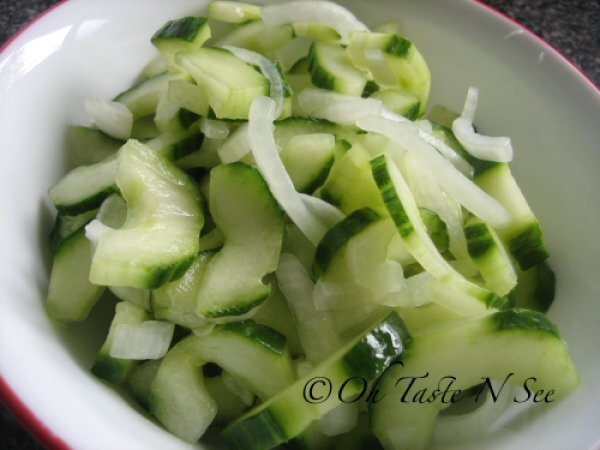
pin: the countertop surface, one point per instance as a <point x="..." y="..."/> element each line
<point x="570" y="26"/>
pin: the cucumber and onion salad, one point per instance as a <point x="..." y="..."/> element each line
<point x="269" y="204"/>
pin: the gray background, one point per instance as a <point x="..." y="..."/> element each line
<point x="570" y="26"/>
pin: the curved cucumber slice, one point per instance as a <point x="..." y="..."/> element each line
<point x="244" y="350"/>
<point x="229" y="82"/>
<point x="490" y="257"/>
<point x="159" y="238"/>
<point x="142" y="98"/>
<point x="331" y="69"/>
<point x="233" y="12"/>
<point x="524" y="343"/>
<point x="71" y="296"/>
<point x="288" y="414"/>
<point x="187" y="33"/>
<point x="252" y="225"/>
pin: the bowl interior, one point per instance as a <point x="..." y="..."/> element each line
<point x="95" y="50"/>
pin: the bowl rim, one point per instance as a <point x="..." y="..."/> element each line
<point x="28" y="418"/>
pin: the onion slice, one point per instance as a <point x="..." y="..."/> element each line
<point x="488" y="148"/>
<point x="262" y="142"/>
<point x="147" y="340"/>
<point x="324" y="12"/>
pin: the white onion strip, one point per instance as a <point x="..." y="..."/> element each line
<point x="451" y="180"/>
<point x="488" y="148"/>
<point x="324" y="12"/>
<point x="262" y="142"/>
<point x="268" y="69"/>
<point x="147" y="340"/>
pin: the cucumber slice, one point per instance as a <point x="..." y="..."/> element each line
<point x="65" y="226"/>
<point x="178" y="396"/>
<point x="307" y="159"/>
<point x="177" y="146"/>
<point x="316" y="31"/>
<point x="291" y="127"/>
<point x="144" y="128"/>
<point x="140" y="380"/>
<point x="399" y="64"/>
<point x="185" y="34"/>
<point x="491" y="258"/>
<point x="288" y="414"/>
<point x="229" y="83"/>
<point x="71" y="296"/>
<point x="160" y="236"/>
<point x="86" y="146"/>
<point x="229" y="405"/>
<point x="176" y="301"/>
<point x="518" y="342"/>
<point x="84" y="188"/>
<point x="331" y="69"/>
<point x="258" y="37"/>
<point x="523" y="235"/>
<point x="402" y="103"/>
<point x="536" y="287"/>
<point x="350" y="184"/>
<point x="403" y="209"/>
<point x="170" y="117"/>
<point x="252" y="225"/>
<point x="142" y="98"/>
<point x="116" y="370"/>
<point x="233" y="12"/>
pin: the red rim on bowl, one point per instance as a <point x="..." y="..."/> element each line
<point x="31" y="422"/>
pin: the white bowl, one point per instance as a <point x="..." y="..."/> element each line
<point x="95" y="49"/>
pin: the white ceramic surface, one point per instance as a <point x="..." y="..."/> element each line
<point x="88" y="48"/>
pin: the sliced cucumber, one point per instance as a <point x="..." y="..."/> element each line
<point x="258" y="37"/>
<point x="288" y="414"/>
<point x="536" y="287"/>
<point x="316" y="31"/>
<point x="142" y="98"/>
<point x="233" y="12"/>
<point x="398" y="64"/>
<point x="86" y="146"/>
<point x="252" y="225"/>
<point x="229" y="405"/>
<point x="105" y="366"/>
<point x="185" y="34"/>
<point x="512" y="345"/>
<point x="160" y="236"/>
<point x="71" y="296"/>
<point x="170" y="117"/>
<point x="176" y="301"/>
<point x="140" y="380"/>
<point x="230" y="83"/>
<point x="65" y="226"/>
<point x="188" y="96"/>
<point x="403" y="103"/>
<point x="307" y="159"/>
<point x="178" y="396"/>
<point x="331" y="69"/>
<point x="491" y="258"/>
<point x="350" y="184"/>
<point x="84" y="188"/>
<point x="523" y="235"/>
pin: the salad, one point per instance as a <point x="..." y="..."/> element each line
<point x="301" y="252"/>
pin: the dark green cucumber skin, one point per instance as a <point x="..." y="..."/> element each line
<point x="540" y="297"/>
<point x="479" y="239"/>
<point x="319" y="179"/>
<point x="436" y="228"/>
<point x="169" y="272"/>
<point x="113" y="370"/>
<point x="66" y="226"/>
<point x="339" y="235"/>
<point x="248" y="305"/>
<point x="187" y="146"/>
<point x="369" y="89"/>
<point x="398" y="46"/>
<point x="266" y="336"/>
<point x="524" y="319"/>
<point x="320" y="77"/>
<point x="87" y="204"/>
<point x="185" y="29"/>
<point x="380" y="346"/>
<point x="390" y="197"/>
<point x="528" y="246"/>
